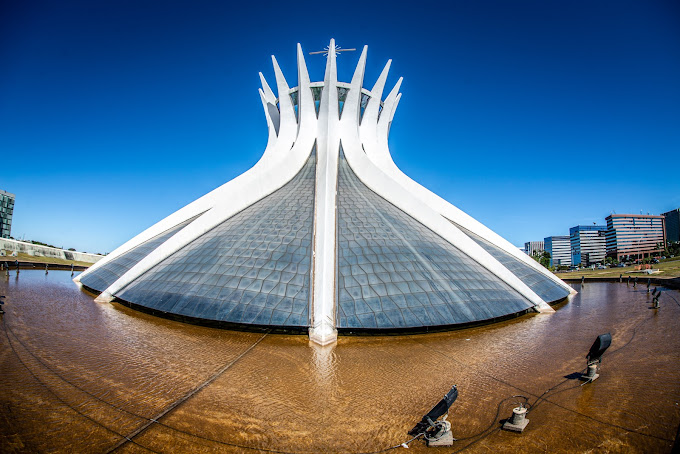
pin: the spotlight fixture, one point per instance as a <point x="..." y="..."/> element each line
<point x="1" y="303"/>
<point x="594" y="356"/>
<point x="437" y="433"/>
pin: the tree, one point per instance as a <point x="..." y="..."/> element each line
<point x="543" y="258"/>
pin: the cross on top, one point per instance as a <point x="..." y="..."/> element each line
<point x="327" y="50"/>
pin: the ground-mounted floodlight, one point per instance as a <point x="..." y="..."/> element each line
<point x="437" y="433"/>
<point x="655" y="298"/>
<point x="1" y="303"/>
<point x="594" y="356"/>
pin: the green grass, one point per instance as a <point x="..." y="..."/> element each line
<point x="23" y="257"/>
<point x="669" y="268"/>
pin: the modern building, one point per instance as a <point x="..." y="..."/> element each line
<point x="588" y="244"/>
<point x="533" y="247"/>
<point x="559" y="248"/>
<point x="6" y="212"/>
<point x="635" y="236"/>
<point x="325" y="233"/>
<point x="672" y="225"/>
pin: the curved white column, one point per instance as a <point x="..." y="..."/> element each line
<point x="278" y="165"/>
<point x="375" y="144"/>
<point x="291" y="140"/>
<point x="206" y="202"/>
<point x="322" y="329"/>
<point x="383" y="185"/>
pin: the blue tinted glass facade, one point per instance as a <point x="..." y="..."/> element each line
<point x="254" y="268"/>
<point x="393" y="272"/>
<point x="101" y="278"/>
<point x="541" y="284"/>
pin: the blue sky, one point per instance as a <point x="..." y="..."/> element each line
<point x="532" y="116"/>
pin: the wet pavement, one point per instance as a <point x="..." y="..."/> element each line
<point x="80" y="376"/>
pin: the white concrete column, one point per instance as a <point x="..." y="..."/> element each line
<point x="323" y="330"/>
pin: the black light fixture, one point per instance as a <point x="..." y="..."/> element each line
<point x="1" y="303"/>
<point x="594" y="356"/>
<point x="437" y="433"/>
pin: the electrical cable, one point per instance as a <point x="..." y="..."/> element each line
<point x="546" y="394"/>
<point x="150" y="420"/>
<point x="550" y="392"/>
<point x="59" y="398"/>
<point x="671" y="296"/>
<point x="481" y="435"/>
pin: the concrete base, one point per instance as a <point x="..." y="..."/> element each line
<point x="323" y="335"/>
<point x="516" y="427"/>
<point x="518" y="422"/>
<point x="104" y="297"/>
<point x="446" y="439"/>
<point x="591" y="375"/>
<point x="589" y="379"/>
<point x="544" y="308"/>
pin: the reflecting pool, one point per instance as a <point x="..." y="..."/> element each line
<point x="80" y="376"/>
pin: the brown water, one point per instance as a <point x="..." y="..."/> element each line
<point x="79" y="376"/>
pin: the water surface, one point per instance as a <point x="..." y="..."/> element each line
<point x="80" y="376"/>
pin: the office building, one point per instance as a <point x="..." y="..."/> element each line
<point x="6" y="213"/>
<point x="634" y="236"/>
<point x="559" y="248"/>
<point x="588" y="244"/>
<point x="325" y="233"/>
<point x="672" y="225"/>
<point x="533" y="247"/>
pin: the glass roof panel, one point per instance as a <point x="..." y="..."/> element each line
<point x="542" y="285"/>
<point x="433" y="283"/>
<point x="254" y="268"/>
<point x="101" y="278"/>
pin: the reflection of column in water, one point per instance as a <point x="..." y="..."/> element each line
<point x="324" y="365"/>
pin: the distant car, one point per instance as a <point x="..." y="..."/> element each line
<point x="620" y="265"/>
<point x="655" y="261"/>
<point x="601" y="267"/>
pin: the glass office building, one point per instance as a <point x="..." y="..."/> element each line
<point x="559" y="248"/>
<point x="588" y="244"/>
<point x="324" y="234"/>
<point x="672" y="225"/>
<point x="6" y="213"/>
<point x="532" y="248"/>
<point x="635" y="236"/>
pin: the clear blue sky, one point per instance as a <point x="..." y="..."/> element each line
<point x="532" y="116"/>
